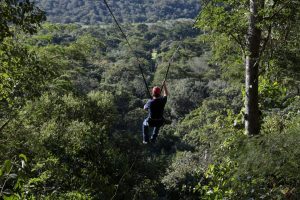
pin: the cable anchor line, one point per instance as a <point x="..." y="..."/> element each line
<point x="169" y="64"/>
<point x="130" y="47"/>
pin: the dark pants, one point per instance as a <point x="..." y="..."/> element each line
<point x="156" y="124"/>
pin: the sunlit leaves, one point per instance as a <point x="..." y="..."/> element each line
<point x="22" y="74"/>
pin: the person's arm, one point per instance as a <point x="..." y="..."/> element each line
<point x="146" y="106"/>
<point x="166" y="92"/>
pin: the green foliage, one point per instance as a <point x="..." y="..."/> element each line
<point x="70" y="196"/>
<point x="78" y="114"/>
<point x="231" y="165"/>
<point x="272" y="93"/>
<point x="85" y="130"/>
<point x="215" y="182"/>
<point x="23" y="76"/>
<point x="260" y="167"/>
<point x="19" y="14"/>
<point x="206" y="132"/>
<point x="182" y="175"/>
<point x="74" y="135"/>
<point x="13" y="177"/>
<point x="227" y="55"/>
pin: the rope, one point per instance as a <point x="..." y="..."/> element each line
<point x="171" y="59"/>
<point x="169" y="65"/>
<point x="125" y="37"/>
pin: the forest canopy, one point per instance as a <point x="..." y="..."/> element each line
<point x="72" y="97"/>
<point x="94" y="12"/>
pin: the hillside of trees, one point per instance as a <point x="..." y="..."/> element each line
<point x="95" y="12"/>
<point x="72" y="97"/>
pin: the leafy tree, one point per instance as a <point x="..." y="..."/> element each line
<point x="23" y="76"/>
<point x="16" y="15"/>
<point x="18" y="65"/>
<point x="253" y="33"/>
<point x="85" y="127"/>
<point x="79" y="121"/>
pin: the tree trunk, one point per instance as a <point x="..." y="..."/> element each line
<point x="252" y="125"/>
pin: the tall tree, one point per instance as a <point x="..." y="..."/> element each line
<point x="16" y="62"/>
<point x="250" y="25"/>
<point x="252" y="63"/>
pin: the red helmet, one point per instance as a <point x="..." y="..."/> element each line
<point x="156" y="91"/>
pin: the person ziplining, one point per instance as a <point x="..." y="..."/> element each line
<point x="156" y="104"/>
<point x="155" y="108"/>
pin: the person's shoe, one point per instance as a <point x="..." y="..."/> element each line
<point x="145" y="142"/>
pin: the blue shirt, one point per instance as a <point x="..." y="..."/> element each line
<point x="156" y="107"/>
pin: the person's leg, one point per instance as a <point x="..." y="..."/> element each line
<point x="145" y="131"/>
<point x="155" y="134"/>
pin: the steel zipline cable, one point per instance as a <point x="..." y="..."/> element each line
<point x="169" y="65"/>
<point x="125" y="37"/>
<point x="137" y="59"/>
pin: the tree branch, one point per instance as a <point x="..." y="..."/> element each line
<point x="5" y="124"/>
<point x="203" y="8"/>
<point x="239" y="41"/>
<point x="266" y="40"/>
<point x="277" y="12"/>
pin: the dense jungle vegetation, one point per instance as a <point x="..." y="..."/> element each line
<point x="92" y="12"/>
<point x="72" y="96"/>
